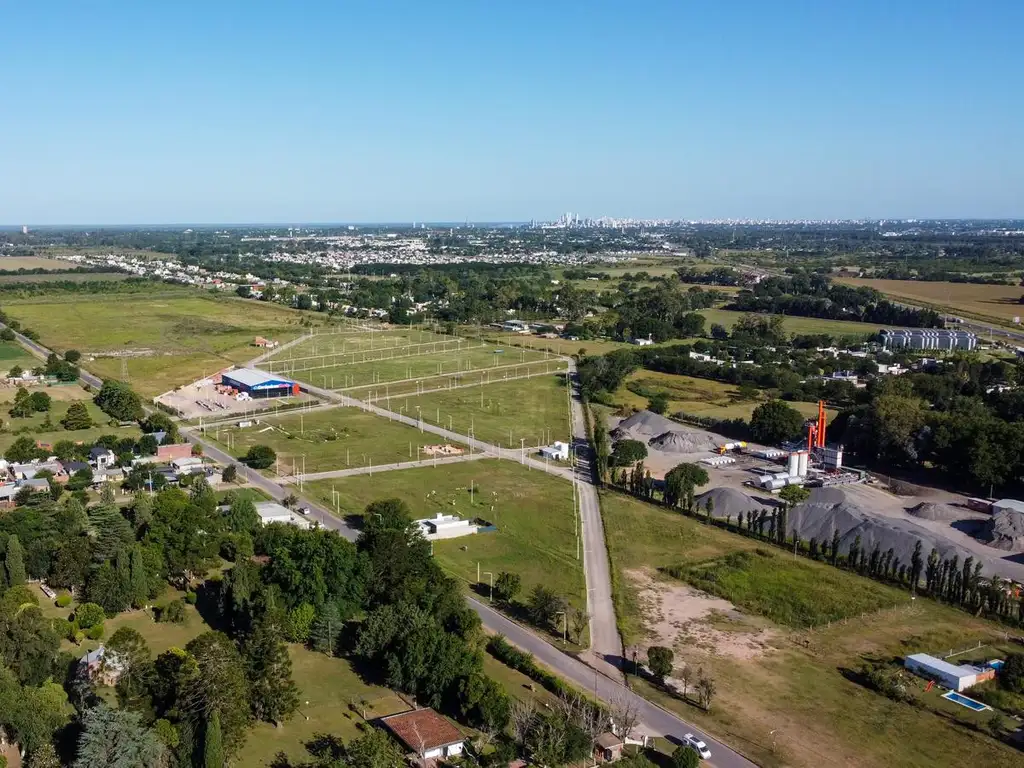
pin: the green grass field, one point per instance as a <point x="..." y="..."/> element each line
<point x="12" y="354"/>
<point x="693" y="396"/>
<point x="62" y="398"/>
<point x="379" y="393"/>
<point x="337" y="438"/>
<point x="797" y="325"/>
<point x="175" y="338"/>
<point x="533" y="512"/>
<point x="535" y="410"/>
<point x="798" y="683"/>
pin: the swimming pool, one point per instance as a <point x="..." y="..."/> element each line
<point x="964" y="701"/>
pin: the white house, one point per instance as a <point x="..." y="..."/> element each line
<point x="272" y="512"/>
<point x="426" y="734"/>
<point x="643" y="342"/>
<point x="956" y="678"/>
<point x="445" y="527"/>
<point x="557" y="452"/>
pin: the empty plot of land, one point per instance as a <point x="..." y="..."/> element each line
<point x="531" y="411"/>
<point x="382" y="393"/>
<point x="34" y="262"/>
<point x="325" y="440"/>
<point x="166" y="341"/>
<point x="45" y="428"/>
<point x="797" y="325"/>
<point x="342" y="342"/>
<point x="1000" y="302"/>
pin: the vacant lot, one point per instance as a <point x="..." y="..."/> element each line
<point x="797" y="325"/>
<point x="693" y="396"/>
<point x="167" y="341"/>
<point x="535" y="410"/>
<point x="381" y="393"/>
<point x="8" y="263"/>
<point x="774" y="684"/>
<point x="533" y="512"/>
<point x="35" y="425"/>
<point x="338" y="438"/>
<point x="12" y="354"/>
<point x="989" y="302"/>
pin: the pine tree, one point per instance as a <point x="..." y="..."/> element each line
<point x="916" y="563"/>
<point x="323" y="636"/>
<point x="213" y="746"/>
<point x="138" y="583"/>
<point x="107" y="494"/>
<point x="110" y="530"/>
<point x="14" y="561"/>
<point x="77" y="417"/>
<point x="274" y="695"/>
<point x="835" y="547"/>
<point x="142" y="510"/>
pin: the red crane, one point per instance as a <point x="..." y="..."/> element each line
<point x="816" y="430"/>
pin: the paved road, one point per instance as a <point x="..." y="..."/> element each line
<point x="656" y="721"/>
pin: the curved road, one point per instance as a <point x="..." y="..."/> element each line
<point x="605" y="641"/>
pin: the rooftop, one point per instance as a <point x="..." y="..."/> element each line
<point x="942" y="666"/>
<point x="253" y="377"/>
<point x="422" y="730"/>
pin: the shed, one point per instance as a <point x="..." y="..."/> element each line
<point x="608" y="747"/>
<point x="956" y="678"/>
<point x="425" y="733"/>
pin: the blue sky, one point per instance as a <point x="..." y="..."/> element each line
<point x="128" y="112"/>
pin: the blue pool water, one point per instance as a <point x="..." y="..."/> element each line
<point x="964" y="701"/>
<point x="995" y="664"/>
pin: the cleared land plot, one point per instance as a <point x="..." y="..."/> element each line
<point x="34" y="262"/>
<point x="74" y="277"/>
<point x="797" y="325"/>
<point x="34" y="425"/>
<point x="379" y="393"/>
<point x="693" y="396"/>
<point x="168" y="341"/>
<point x="997" y="302"/>
<point x="346" y="342"/>
<point x="12" y="354"/>
<point x="534" y="410"/>
<point x="338" y="438"/>
<point x="419" y="362"/>
<point x="798" y="683"/>
<point x="533" y="513"/>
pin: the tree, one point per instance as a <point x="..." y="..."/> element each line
<point x="543" y="605"/>
<point x="230" y="473"/>
<point x="657" y="403"/>
<point x="685" y="757"/>
<point x="89" y="615"/>
<point x="374" y="749"/>
<point x="705" y="690"/>
<point x="128" y="652"/>
<point x="326" y="629"/>
<point x="21" y="450"/>
<point x="1011" y="676"/>
<point x="580" y="621"/>
<point x="260" y="457"/>
<point x="77" y="417"/>
<point x="626" y="453"/>
<point x="213" y="747"/>
<point x="116" y="738"/>
<point x="793" y="495"/>
<point x="218" y="684"/>
<point x="44" y="756"/>
<point x="119" y="401"/>
<point x="273" y="694"/>
<point x="680" y="482"/>
<point x="73" y="356"/>
<point x="507" y="586"/>
<point x="775" y="421"/>
<point x="15" y="371"/>
<point x="14" y="561"/>
<point x="39" y="401"/>
<point x="659" y="659"/>
<point x="242" y="516"/>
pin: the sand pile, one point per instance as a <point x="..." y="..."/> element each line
<point x="729" y="502"/>
<point x="642" y="425"/>
<point x="1005" y="531"/>
<point x="944" y="513"/>
<point x="683" y="441"/>
<point x="829" y="510"/>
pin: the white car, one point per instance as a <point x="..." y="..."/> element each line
<point x="697" y="746"/>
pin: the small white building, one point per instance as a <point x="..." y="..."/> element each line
<point x="187" y="465"/>
<point x="559" y="451"/>
<point x="445" y="527"/>
<point x="643" y="342"/>
<point x="272" y="512"/>
<point x="956" y="678"/>
<point x="426" y="734"/>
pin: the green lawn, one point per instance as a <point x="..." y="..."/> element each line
<point x="337" y="438"/>
<point x="33" y="425"/>
<point x="380" y="393"/>
<point x="174" y="338"/>
<point x="797" y="325"/>
<point x="12" y="354"/>
<point x="800" y="684"/>
<point x="535" y="410"/>
<point x="533" y="512"/>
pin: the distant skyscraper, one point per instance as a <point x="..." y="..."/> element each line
<point x="24" y="229"/>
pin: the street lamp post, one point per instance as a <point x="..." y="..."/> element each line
<point x="565" y="623"/>
<point x="490" y="596"/>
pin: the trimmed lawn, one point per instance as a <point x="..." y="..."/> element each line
<point x="535" y="410"/>
<point x="533" y="513"/>
<point x="12" y="354"/>
<point x="332" y="439"/>
<point x="797" y="325"/>
<point x="799" y="685"/>
<point x="33" y="424"/>
<point x="170" y="340"/>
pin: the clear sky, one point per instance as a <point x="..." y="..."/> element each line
<point x="379" y="110"/>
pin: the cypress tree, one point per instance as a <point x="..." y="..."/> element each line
<point x="14" y="561"/>
<point x="213" y="747"/>
<point x="138" y="585"/>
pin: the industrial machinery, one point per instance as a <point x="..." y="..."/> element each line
<point x="816" y="430"/>
<point x="731" y="447"/>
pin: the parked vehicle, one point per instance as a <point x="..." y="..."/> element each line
<point x="697" y="746"/>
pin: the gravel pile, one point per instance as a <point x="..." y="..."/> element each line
<point x="642" y="425"/>
<point x="944" y="513"/>
<point x="829" y="510"/>
<point x="683" y="441"/>
<point x="1005" y="531"/>
<point x="730" y="502"/>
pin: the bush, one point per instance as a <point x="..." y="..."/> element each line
<point x="63" y="601"/>
<point x="523" y="662"/>
<point x="190" y="597"/>
<point x="260" y="457"/>
<point x="174" y="612"/>
<point x="89" y="615"/>
<point x="95" y="632"/>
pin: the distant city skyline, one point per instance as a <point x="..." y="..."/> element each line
<point x="153" y="114"/>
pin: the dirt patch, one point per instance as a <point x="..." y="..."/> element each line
<point x="681" y="617"/>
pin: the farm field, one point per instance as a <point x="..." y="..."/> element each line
<point x="74" y="277"/>
<point x="534" y="410"/>
<point x="12" y="354"/>
<point x="335" y="438"/>
<point x="62" y="397"/>
<point x="168" y="341"/>
<point x="533" y="513"/>
<point x="799" y="683"/>
<point x="792" y="324"/>
<point x="695" y="397"/>
<point x="988" y="302"/>
<point x="34" y="262"/>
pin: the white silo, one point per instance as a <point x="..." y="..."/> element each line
<point x="803" y="462"/>
<point x="794" y="464"/>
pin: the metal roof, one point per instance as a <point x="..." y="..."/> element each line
<point x="938" y="665"/>
<point x="254" y="377"/>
